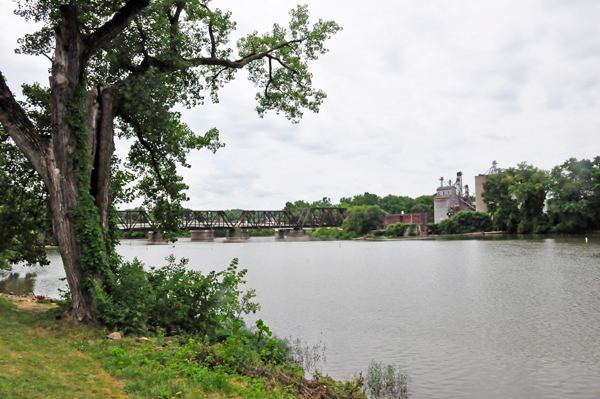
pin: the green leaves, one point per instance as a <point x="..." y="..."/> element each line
<point x="175" y="299"/>
<point x="362" y="219"/>
<point x="575" y="195"/>
<point x="24" y="215"/>
<point x="282" y="73"/>
<point x="516" y="198"/>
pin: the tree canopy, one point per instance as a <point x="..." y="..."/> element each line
<point x="118" y="69"/>
<point x="526" y="199"/>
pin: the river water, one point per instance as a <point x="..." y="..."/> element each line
<point x="477" y="318"/>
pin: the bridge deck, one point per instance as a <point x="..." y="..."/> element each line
<point x="211" y="220"/>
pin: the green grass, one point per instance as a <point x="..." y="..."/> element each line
<point x="41" y="357"/>
<point x="36" y="362"/>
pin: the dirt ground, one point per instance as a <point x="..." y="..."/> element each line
<point x="30" y="303"/>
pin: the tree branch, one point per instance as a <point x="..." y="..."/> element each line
<point x="213" y="45"/>
<point x="171" y="66"/>
<point x="115" y="26"/>
<point x="18" y="126"/>
<point x="270" y="79"/>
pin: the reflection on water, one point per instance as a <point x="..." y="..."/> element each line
<point x="12" y="283"/>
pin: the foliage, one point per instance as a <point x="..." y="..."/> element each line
<point x="464" y="222"/>
<point x="134" y="62"/>
<point x="23" y="209"/>
<point x="516" y="198"/>
<point x="386" y="382"/>
<point x="392" y="204"/>
<point x="328" y="233"/>
<point x="574" y="202"/>
<point x="362" y="219"/>
<point x="56" y="360"/>
<point x="175" y="299"/>
<point x="261" y="232"/>
<point x="400" y="230"/>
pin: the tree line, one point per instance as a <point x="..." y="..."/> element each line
<point x="526" y="199"/>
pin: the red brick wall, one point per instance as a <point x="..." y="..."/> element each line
<point x="407" y="218"/>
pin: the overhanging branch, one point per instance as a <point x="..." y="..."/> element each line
<point x="18" y="126"/>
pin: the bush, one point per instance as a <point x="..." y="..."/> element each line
<point x="325" y="233"/>
<point x="386" y="382"/>
<point x="400" y="230"/>
<point x="175" y="299"/>
<point x="464" y="222"/>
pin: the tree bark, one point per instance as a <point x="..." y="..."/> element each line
<point x="53" y="158"/>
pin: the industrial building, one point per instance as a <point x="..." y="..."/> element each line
<point x="451" y="198"/>
<point x="479" y="180"/>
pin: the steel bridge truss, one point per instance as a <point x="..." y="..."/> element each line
<point x="321" y="217"/>
<point x="140" y="220"/>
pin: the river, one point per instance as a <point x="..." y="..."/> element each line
<point x="478" y="318"/>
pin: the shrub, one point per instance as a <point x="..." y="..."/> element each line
<point x="175" y="299"/>
<point x="325" y="233"/>
<point x="464" y="222"/>
<point x="396" y="230"/>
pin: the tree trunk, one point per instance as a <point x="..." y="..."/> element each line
<point x="63" y="188"/>
<point x="55" y="159"/>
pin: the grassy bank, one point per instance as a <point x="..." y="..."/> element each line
<point x="41" y="357"/>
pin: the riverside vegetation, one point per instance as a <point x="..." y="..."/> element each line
<point x="189" y="340"/>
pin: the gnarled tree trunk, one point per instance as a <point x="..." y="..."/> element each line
<point x="55" y="158"/>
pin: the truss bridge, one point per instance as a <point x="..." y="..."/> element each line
<point x="203" y="223"/>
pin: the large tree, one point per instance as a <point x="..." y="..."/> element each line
<point x="119" y="67"/>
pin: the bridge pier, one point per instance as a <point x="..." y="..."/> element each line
<point x="280" y="234"/>
<point x="203" y="235"/>
<point x="155" y="238"/>
<point x="237" y="235"/>
<point x="297" y="235"/>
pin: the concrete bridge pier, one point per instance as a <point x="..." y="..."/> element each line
<point x="237" y="235"/>
<point x="155" y="238"/>
<point x="280" y="234"/>
<point x="203" y="235"/>
<point x="297" y="235"/>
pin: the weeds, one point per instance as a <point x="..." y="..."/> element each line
<point x="386" y="382"/>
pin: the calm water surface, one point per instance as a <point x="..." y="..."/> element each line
<point x="481" y="318"/>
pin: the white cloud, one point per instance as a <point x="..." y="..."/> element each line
<point x="416" y="90"/>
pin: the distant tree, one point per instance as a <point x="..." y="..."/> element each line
<point x="516" y="198"/>
<point x="362" y="219"/>
<point x="574" y="203"/>
<point x="361" y="199"/>
<point x="296" y="207"/>
<point x="530" y="186"/>
<point x="423" y="204"/>
<point x="325" y="202"/>
<point x="394" y="204"/>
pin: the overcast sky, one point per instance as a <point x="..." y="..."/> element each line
<point x="416" y="90"/>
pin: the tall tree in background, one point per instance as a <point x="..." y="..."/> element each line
<point x="516" y="199"/>
<point x="574" y="204"/>
<point x="120" y="66"/>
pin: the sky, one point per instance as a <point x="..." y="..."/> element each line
<point x="417" y="90"/>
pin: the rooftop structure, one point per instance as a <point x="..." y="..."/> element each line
<point x="451" y="199"/>
<point x="479" y="180"/>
